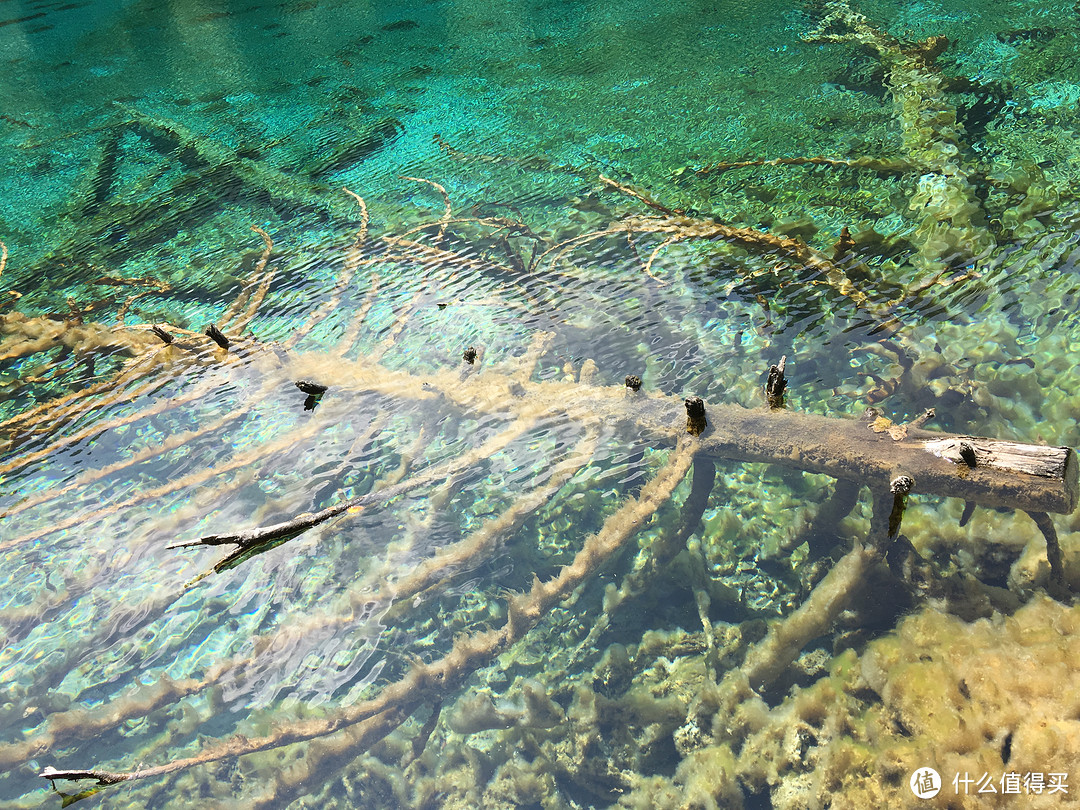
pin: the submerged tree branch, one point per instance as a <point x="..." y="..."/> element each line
<point x="428" y="682"/>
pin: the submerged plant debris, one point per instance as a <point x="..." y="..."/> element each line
<point x="560" y="473"/>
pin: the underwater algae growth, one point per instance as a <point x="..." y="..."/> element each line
<point x="513" y="509"/>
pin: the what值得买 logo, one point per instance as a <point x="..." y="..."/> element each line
<point x="925" y="783"/>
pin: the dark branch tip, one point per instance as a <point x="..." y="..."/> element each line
<point x="776" y="384"/>
<point x="901" y="485"/>
<point x="164" y="336"/>
<point x="217" y="336"/>
<point x="311" y="388"/>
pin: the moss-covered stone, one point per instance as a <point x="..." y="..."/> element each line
<point x="992" y="696"/>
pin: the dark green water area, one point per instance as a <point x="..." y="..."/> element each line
<point x="403" y="533"/>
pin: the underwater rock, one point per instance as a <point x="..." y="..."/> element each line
<point x="975" y="698"/>
<point x="938" y="692"/>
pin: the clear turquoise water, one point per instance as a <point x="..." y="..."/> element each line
<point x="535" y="100"/>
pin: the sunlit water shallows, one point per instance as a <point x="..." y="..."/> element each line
<point x="439" y="240"/>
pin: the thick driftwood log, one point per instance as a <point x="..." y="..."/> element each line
<point x="1014" y="475"/>
<point x="1004" y="474"/>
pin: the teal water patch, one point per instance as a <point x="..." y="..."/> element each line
<point x="497" y="579"/>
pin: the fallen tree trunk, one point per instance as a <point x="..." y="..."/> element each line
<point x="1018" y="476"/>
<point x="870" y="451"/>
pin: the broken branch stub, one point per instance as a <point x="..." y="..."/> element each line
<point x="776" y="383"/>
<point x="695" y="416"/>
<point x="217" y="336"/>
<point x="162" y="335"/>
<point x="310" y="387"/>
<point x="900" y="487"/>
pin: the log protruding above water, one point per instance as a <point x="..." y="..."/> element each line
<point x="870" y="451"/>
<point x="1006" y="474"/>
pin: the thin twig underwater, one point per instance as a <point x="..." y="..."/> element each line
<point x="438" y="417"/>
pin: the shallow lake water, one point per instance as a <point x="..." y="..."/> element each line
<point x="442" y="243"/>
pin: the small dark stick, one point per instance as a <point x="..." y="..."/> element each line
<point x="1057" y="587"/>
<point x="217" y="336"/>
<point x="633" y="382"/>
<point x="470" y="355"/>
<point x="695" y="416"/>
<point x="314" y="393"/>
<point x="161" y="333"/>
<point x="775" y="385"/>
<point x="923" y="418"/>
<point x="967" y="453"/>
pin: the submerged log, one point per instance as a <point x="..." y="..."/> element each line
<point x="890" y="464"/>
<point x="1032" y="478"/>
<point x="1008" y="474"/>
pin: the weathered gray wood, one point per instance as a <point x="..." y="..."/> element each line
<point x="1047" y="462"/>
<point x="1020" y="476"/>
